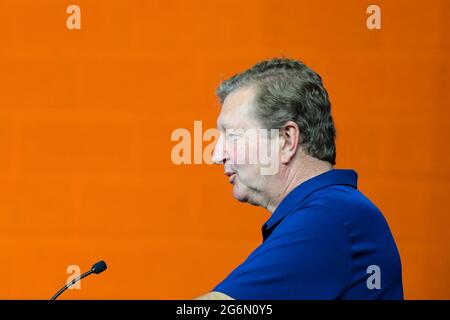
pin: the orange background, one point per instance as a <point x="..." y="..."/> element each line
<point x="86" y="118"/>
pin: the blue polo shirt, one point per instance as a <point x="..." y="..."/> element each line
<point x="325" y="240"/>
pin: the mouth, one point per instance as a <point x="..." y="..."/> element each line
<point x="231" y="176"/>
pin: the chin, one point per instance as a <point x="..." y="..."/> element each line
<point x="239" y="194"/>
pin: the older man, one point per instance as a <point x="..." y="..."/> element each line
<point x="324" y="238"/>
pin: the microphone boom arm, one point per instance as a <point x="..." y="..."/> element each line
<point x="97" y="268"/>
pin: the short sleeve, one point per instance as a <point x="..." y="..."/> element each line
<point x="307" y="256"/>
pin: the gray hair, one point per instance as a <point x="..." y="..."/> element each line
<point x="287" y="90"/>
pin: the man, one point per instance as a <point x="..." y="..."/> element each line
<point x="324" y="239"/>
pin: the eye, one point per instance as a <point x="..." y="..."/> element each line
<point x="233" y="137"/>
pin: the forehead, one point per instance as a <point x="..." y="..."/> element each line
<point x="237" y="109"/>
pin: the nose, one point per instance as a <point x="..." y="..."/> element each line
<point x="219" y="154"/>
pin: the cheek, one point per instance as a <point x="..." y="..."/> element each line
<point x="237" y="154"/>
<point x="248" y="174"/>
<point x="247" y="163"/>
<point x="243" y="154"/>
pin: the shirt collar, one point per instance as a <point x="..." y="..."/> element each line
<point x="303" y="190"/>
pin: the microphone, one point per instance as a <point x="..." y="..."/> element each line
<point x="97" y="268"/>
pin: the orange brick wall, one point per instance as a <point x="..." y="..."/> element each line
<point x="86" y="117"/>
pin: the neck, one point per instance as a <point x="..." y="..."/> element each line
<point x="298" y="172"/>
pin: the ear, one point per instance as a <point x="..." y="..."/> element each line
<point x="290" y="139"/>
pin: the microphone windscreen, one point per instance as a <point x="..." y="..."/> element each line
<point x="99" y="267"/>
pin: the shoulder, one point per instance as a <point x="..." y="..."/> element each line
<point x="345" y="203"/>
<point x="312" y="217"/>
<point x="312" y="227"/>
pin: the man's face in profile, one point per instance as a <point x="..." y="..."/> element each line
<point x="236" y="146"/>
